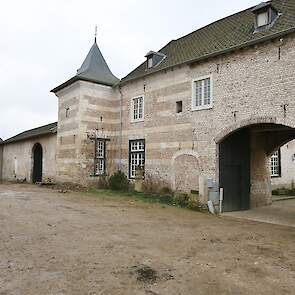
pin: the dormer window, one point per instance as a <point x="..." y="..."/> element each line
<point x="150" y="62"/>
<point x="154" y="59"/>
<point x="262" y="19"/>
<point x="265" y="16"/>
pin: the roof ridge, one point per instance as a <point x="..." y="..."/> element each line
<point x="53" y="123"/>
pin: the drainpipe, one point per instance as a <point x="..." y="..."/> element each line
<point x="121" y="128"/>
<point x="220" y="200"/>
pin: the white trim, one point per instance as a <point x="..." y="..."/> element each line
<point x="132" y="120"/>
<point x="202" y="107"/>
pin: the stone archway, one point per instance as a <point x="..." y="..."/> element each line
<point x="185" y="171"/>
<point x="252" y="121"/>
<point x="242" y="156"/>
<point x="37" y="155"/>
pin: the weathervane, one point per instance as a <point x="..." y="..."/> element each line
<point x="95" y="33"/>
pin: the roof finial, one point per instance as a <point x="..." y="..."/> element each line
<point x="95" y="33"/>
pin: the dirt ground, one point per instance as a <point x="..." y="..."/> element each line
<point x="280" y="212"/>
<point x="53" y="243"/>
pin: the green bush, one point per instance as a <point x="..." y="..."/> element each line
<point x="166" y="199"/>
<point x="119" y="181"/>
<point x="181" y="200"/>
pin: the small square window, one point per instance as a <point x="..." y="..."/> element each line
<point x="179" y="107"/>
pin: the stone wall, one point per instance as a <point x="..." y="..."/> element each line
<point x="18" y="158"/>
<point x="249" y="86"/>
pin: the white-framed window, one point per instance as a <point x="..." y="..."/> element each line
<point x="202" y="90"/>
<point x="99" y="161"/>
<point x="275" y="164"/>
<point x="262" y="19"/>
<point x="136" y="156"/>
<point x="137" y="109"/>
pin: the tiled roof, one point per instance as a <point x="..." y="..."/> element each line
<point x="39" y="131"/>
<point x="225" y="35"/>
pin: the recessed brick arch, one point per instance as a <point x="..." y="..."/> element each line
<point x="253" y="121"/>
<point x="175" y="157"/>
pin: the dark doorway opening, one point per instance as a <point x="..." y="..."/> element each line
<point x="37" y="163"/>
<point x="244" y="164"/>
<point x="234" y="170"/>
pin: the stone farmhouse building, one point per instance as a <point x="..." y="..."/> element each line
<point x="204" y="112"/>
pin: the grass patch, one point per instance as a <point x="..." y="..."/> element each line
<point x="283" y="192"/>
<point x="177" y="200"/>
<point x="136" y="196"/>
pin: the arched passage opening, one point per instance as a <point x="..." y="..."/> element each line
<point x="37" y="163"/>
<point x="243" y="157"/>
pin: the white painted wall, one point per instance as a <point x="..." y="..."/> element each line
<point x="18" y="158"/>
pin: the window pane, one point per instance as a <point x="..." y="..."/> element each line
<point x="207" y="91"/>
<point x="203" y="92"/>
<point x="198" y="93"/>
<point x="137" y="156"/>
<point x="99" y="161"/>
<point x="100" y="149"/>
<point x="150" y="62"/>
<point x="262" y="19"/>
<point x="137" y="105"/>
<point x="275" y="164"/>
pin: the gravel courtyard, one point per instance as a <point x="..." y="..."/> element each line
<point x="74" y="243"/>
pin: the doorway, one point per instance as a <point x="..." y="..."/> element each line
<point x="234" y="170"/>
<point x="37" y="163"/>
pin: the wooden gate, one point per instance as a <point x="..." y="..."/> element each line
<point x="234" y="171"/>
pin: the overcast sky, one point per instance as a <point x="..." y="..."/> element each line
<point x="43" y="43"/>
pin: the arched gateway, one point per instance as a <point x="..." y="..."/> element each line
<point x="243" y="157"/>
<point x="37" y="163"/>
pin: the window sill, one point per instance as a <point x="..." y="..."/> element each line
<point x="97" y="175"/>
<point x="200" y="108"/>
<point x="137" y="121"/>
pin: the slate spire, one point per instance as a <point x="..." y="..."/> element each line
<point x="95" y="68"/>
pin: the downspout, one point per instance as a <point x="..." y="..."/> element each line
<point x="121" y="128"/>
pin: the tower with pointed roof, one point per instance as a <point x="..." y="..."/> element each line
<point x="88" y="119"/>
